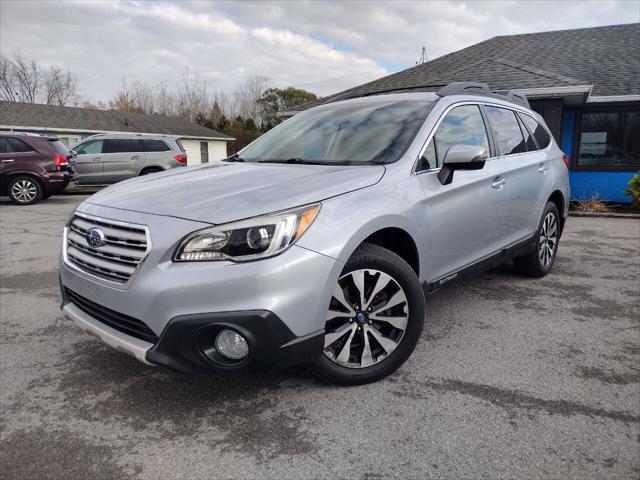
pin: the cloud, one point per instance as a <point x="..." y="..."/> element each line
<point x="322" y="46"/>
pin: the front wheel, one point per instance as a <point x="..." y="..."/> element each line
<point x="375" y="318"/>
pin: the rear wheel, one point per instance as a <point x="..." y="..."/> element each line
<point x="539" y="262"/>
<point x="375" y="318"/>
<point x="149" y="170"/>
<point x="25" y="190"/>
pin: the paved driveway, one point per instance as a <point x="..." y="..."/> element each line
<point x="513" y="378"/>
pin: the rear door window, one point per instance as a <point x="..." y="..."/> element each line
<point x="18" y="146"/>
<point x="506" y="130"/>
<point x="123" y="145"/>
<point x="90" y="148"/>
<point x="4" y="146"/>
<point x="155" y="146"/>
<point x="539" y="132"/>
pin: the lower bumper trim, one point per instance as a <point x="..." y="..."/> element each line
<point x="186" y="343"/>
<point x="123" y="343"/>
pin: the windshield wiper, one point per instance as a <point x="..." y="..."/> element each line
<point x="234" y="158"/>
<point x="298" y="160"/>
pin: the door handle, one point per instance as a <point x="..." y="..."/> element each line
<point x="498" y="183"/>
<point x="135" y="157"/>
<point x="543" y="168"/>
<point x="8" y="160"/>
<point x="96" y="159"/>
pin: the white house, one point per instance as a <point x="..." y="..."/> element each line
<point x="72" y="124"/>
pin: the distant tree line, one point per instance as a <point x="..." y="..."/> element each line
<point x="244" y="114"/>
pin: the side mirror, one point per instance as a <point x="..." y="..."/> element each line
<point x="461" y="157"/>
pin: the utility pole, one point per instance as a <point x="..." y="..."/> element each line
<point x="423" y="56"/>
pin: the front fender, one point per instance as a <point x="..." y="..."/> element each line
<point x="344" y="222"/>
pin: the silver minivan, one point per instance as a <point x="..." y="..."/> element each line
<point x="316" y="243"/>
<point x="110" y="158"/>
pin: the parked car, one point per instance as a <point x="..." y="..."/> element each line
<point x="33" y="167"/>
<point x="110" y="158"/>
<point x="315" y="243"/>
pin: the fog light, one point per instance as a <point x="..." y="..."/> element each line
<point x="232" y="345"/>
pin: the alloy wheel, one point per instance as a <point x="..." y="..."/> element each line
<point x="24" y="191"/>
<point x="548" y="239"/>
<point x="367" y="319"/>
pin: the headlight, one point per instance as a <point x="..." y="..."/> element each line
<point x="247" y="240"/>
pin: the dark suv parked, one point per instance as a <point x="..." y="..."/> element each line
<point x="33" y="167"/>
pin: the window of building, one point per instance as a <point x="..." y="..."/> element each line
<point x="539" y="132"/>
<point x="506" y="129"/>
<point x="609" y="139"/>
<point x="89" y="148"/>
<point x="123" y="145"/>
<point x="155" y="146"/>
<point x="204" y="152"/>
<point x="462" y="126"/>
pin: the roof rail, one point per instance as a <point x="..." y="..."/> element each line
<point x="477" y="88"/>
<point x="460" y="88"/>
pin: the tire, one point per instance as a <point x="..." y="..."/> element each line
<point x="148" y="170"/>
<point x="25" y="190"/>
<point x="392" y="290"/>
<point x="540" y="261"/>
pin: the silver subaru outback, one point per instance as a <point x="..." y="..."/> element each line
<point x="316" y="243"/>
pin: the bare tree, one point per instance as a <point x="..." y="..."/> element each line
<point x="23" y="78"/>
<point x="60" y="87"/>
<point x="247" y="95"/>
<point x="123" y="100"/>
<point x="7" y="90"/>
<point x="165" y="100"/>
<point x="144" y="97"/>
<point x="192" y="96"/>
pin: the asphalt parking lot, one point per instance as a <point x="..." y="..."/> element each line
<point x="513" y="378"/>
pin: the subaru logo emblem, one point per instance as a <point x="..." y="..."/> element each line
<point x="95" y="237"/>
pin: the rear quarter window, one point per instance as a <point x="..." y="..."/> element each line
<point x="179" y="142"/>
<point x="155" y="146"/>
<point x="539" y="132"/>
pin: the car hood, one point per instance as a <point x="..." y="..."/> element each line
<point x="221" y="192"/>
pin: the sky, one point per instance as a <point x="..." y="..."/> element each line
<point x="323" y="47"/>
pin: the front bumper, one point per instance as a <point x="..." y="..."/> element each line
<point x="279" y="304"/>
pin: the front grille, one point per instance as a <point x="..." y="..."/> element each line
<point x="124" y="249"/>
<point x="118" y="321"/>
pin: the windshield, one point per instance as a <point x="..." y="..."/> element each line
<point x="347" y="134"/>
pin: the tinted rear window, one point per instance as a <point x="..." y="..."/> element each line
<point x="542" y="136"/>
<point x="179" y="142"/>
<point x="60" y="147"/>
<point x="155" y="146"/>
<point x="506" y="130"/>
<point x="124" y="145"/>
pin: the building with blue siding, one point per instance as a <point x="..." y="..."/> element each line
<point x="584" y="82"/>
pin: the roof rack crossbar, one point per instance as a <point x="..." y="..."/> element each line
<point x="477" y="88"/>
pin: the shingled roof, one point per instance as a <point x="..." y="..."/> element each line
<point x="606" y="58"/>
<point x="30" y="115"/>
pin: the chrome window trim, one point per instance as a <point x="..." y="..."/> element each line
<point x="119" y="285"/>
<point x="414" y="170"/>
